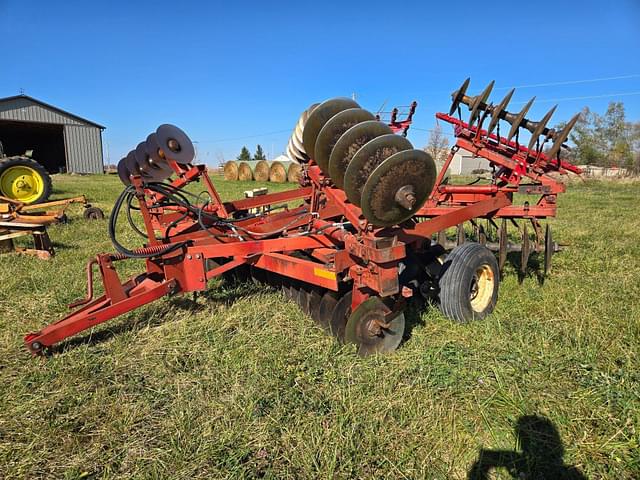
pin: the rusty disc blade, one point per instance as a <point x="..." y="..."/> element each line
<point x="398" y="187"/>
<point x="458" y="95"/>
<point x="175" y="144"/>
<point x="340" y="315"/>
<point x="349" y="143"/>
<point x="123" y="172"/>
<point x="367" y="159"/>
<point x="333" y="130"/>
<point x="516" y="120"/>
<point x="561" y="137"/>
<point x="372" y="330"/>
<point x="497" y="110"/>
<point x="539" y="127"/>
<point x="479" y="101"/>
<point x="321" y="115"/>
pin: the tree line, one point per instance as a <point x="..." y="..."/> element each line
<point x="245" y="155"/>
<point x="607" y="140"/>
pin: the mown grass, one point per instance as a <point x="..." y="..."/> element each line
<point x="240" y="384"/>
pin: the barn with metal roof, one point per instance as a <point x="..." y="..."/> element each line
<point x="60" y="141"/>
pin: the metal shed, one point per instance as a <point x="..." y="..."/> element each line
<point x="61" y="141"/>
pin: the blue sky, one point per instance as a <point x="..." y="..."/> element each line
<point x="239" y="73"/>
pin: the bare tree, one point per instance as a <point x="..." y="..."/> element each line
<point x="437" y="146"/>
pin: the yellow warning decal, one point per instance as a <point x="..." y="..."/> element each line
<point x="319" y="272"/>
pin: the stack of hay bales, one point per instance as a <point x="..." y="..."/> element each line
<point x="280" y="170"/>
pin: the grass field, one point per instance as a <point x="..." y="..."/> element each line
<point x="241" y="384"/>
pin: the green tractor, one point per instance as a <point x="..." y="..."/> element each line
<point x="23" y="179"/>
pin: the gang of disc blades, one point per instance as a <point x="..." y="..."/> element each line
<point x="321" y="115"/>
<point x="333" y="130"/>
<point x="367" y="159"/>
<point x="349" y="143"/>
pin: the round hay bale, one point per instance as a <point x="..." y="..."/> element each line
<point x="261" y="171"/>
<point x="245" y="173"/>
<point x="230" y="170"/>
<point x="294" y="172"/>
<point x="278" y="171"/>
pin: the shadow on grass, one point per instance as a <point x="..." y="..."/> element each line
<point x="535" y="266"/>
<point x="541" y="454"/>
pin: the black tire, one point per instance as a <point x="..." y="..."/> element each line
<point x="9" y="162"/>
<point x="469" y="283"/>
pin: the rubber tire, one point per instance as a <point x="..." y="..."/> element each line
<point x="9" y="162"/>
<point x="456" y="279"/>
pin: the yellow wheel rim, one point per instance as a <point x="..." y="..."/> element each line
<point x="482" y="288"/>
<point x="22" y="183"/>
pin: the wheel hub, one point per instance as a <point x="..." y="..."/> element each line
<point x="481" y="289"/>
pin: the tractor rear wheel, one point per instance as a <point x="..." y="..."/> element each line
<point x="24" y="180"/>
<point x="469" y="283"/>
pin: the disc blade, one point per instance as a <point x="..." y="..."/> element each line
<point x="333" y="130"/>
<point x="315" y="298"/>
<point x="365" y="161"/>
<point x="548" y="250"/>
<point x="372" y="331"/>
<point x="502" y="244"/>
<point x="175" y="144"/>
<point x="147" y="170"/>
<point x="349" y="143"/>
<point x="526" y="250"/>
<point x="398" y="187"/>
<point x="326" y="308"/>
<point x="123" y="172"/>
<point x="341" y="313"/>
<point x="539" y="127"/>
<point x="304" y="292"/>
<point x="460" y="235"/>
<point x="456" y="97"/>
<point x="479" y="101"/>
<point x="497" y="110"/>
<point x="517" y="121"/>
<point x="561" y="137"/>
<point x="131" y="163"/>
<point x="153" y="150"/>
<point x="321" y="115"/>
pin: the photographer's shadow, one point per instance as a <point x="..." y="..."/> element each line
<point x="541" y="455"/>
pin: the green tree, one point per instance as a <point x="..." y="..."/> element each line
<point x="259" y="154"/>
<point x="606" y="140"/>
<point x="244" y="156"/>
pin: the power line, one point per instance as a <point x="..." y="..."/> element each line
<point x="585" y="97"/>
<point x="573" y="82"/>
